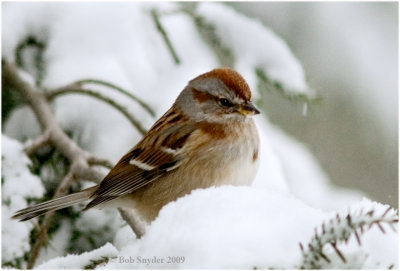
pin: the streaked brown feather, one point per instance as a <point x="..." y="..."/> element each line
<point x="126" y="178"/>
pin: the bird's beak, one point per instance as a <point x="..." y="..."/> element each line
<point x="248" y="109"/>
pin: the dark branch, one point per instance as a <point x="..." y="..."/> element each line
<point x="114" y="87"/>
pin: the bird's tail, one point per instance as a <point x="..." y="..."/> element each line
<point x="54" y="204"/>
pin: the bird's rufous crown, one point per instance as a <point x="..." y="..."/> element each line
<point x="232" y="79"/>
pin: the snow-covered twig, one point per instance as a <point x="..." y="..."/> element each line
<point x="340" y="229"/>
<point x="265" y="84"/>
<point x="71" y="90"/>
<point x="80" y="167"/>
<point x="95" y="263"/>
<point x="134" y="221"/>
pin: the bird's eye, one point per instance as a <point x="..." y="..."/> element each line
<point x="225" y="102"/>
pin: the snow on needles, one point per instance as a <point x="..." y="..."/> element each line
<point x="18" y="184"/>
<point x="82" y="261"/>
<point x="255" y="46"/>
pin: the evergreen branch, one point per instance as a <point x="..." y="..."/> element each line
<point x="10" y="100"/>
<point x="227" y="58"/>
<point x="340" y="229"/>
<point x="70" y="90"/>
<point x="114" y="87"/>
<point x="95" y="263"/>
<point x="78" y="158"/>
<point x="156" y="18"/>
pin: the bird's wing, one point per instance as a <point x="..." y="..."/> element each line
<point x="145" y="162"/>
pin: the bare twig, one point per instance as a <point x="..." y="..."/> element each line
<point x="115" y="87"/>
<point x="63" y="91"/>
<point x="88" y="173"/>
<point x="95" y="161"/>
<point x="160" y="28"/>
<point x="80" y="168"/>
<point x="39" y="142"/>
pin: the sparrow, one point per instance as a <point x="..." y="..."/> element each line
<point x="207" y="138"/>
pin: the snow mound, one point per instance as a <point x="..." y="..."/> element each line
<point x="241" y="227"/>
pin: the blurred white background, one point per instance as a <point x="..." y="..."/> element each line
<point x="349" y="52"/>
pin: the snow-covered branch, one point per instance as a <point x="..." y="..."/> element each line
<point x="340" y="229"/>
<point x="80" y="160"/>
